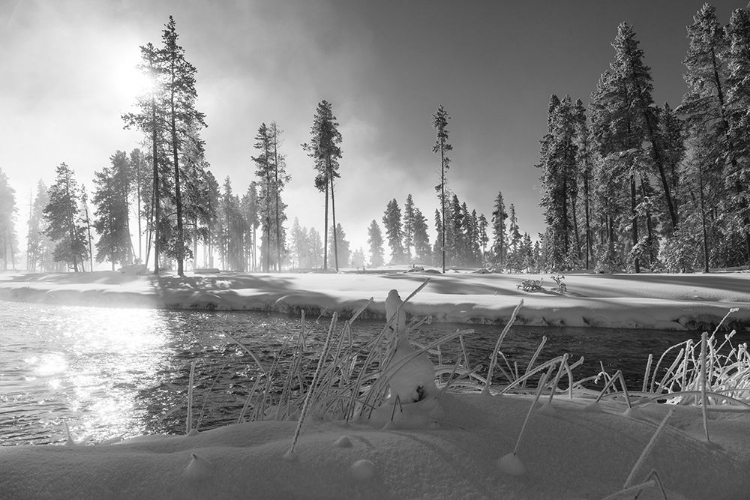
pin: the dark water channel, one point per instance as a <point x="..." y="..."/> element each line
<point x="108" y="373"/>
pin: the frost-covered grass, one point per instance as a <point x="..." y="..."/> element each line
<point x="351" y="382"/>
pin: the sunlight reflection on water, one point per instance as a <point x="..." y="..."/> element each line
<point x="64" y="364"/>
<point x="124" y="372"/>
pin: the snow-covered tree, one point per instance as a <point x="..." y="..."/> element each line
<point x="394" y="231"/>
<point x="39" y="246"/>
<point x="65" y="224"/>
<point x="375" y="243"/>
<point x="499" y="248"/>
<point x="112" y="221"/>
<point x="422" y="252"/>
<point x="8" y="211"/>
<point x="337" y="238"/>
<point x="408" y="226"/>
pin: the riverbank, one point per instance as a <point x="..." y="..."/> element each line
<point x="650" y="301"/>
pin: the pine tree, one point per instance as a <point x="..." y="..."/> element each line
<point x="375" y="242"/>
<point x="408" y="226"/>
<point x="280" y="179"/>
<point x="151" y="120"/>
<point x="438" y="253"/>
<point x="138" y="173"/>
<point x="111" y="199"/>
<point x="394" y="231"/>
<point x="39" y="246"/>
<point x="316" y="248"/>
<point x="358" y="258"/>
<point x="515" y="258"/>
<point x="299" y="244"/>
<point x="8" y="211"/>
<point x="499" y="215"/>
<point x="737" y="174"/>
<point x="210" y="217"/>
<point x="182" y="117"/>
<point x="442" y="146"/>
<point x="483" y="236"/>
<point x="65" y="225"/>
<point x="559" y="178"/>
<point x="325" y="151"/>
<point x="421" y="238"/>
<point x="86" y="219"/>
<point x="199" y="201"/>
<point x="338" y="238"/>
<point x="252" y="214"/>
<point x="265" y="173"/>
<point x="455" y="233"/>
<point x="636" y="78"/>
<point x="233" y="229"/>
<point x="584" y="160"/>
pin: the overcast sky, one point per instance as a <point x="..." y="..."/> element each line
<point x="67" y="73"/>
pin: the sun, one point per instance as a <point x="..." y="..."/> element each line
<point x="127" y="80"/>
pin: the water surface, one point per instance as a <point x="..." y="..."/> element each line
<point x="108" y="373"/>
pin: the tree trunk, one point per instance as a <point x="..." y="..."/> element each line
<point x="155" y="210"/>
<point x="325" y="230"/>
<point x="442" y="196"/>
<point x="649" y="227"/>
<point x="588" y="224"/>
<point x="703" y="219"/>
<point x="276" y="191"/>
<point x="634" y="220"/>
<point x="178" y="196"/>
<point x="658" y="161"/>
<point x="335" y="237"/>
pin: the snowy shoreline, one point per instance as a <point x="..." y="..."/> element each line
<point x="648" y="301"/>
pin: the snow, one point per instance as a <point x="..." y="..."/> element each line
<point x="572" y="453"/>
<point x="437" y="445"/>
<point x="652" y="301"/>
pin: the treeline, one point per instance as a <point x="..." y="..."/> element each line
<point x="630" y="185"/>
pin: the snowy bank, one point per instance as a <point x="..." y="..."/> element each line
<point x="654" y="301"/>
<point x="569" y="453"/>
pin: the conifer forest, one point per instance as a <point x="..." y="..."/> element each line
<point x="627" y="184"/>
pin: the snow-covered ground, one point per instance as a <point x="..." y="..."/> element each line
<point x="446" y="445"/>
<point x="655" y="301"/>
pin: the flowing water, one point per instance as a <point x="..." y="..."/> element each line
<point x="107" y="373"/>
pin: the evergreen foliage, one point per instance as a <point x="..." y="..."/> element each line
<point x="325" y="151"/>
<point x="65" y="224"/>
<point x="8" y="211"/>
<point x="112" y="222"/>
<point x="39" y="250"/>
<point x="442" y="146"/>
<point x="375" y="243"/>
<point x="394" y="231"/>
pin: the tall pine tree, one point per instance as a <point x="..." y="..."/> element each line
<point x="442" y="146"/>
<point x="324" y="149"/>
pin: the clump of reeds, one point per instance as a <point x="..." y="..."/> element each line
<point x="711" y="372"/>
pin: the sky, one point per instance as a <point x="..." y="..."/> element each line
<point x="69" y="72"/>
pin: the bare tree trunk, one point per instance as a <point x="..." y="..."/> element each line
<point x="325" y="228"/>
<point x="703" y="219"/>
<point x="335" y="237"/>
<point x="634" y="220"/>
<point x="442" y="197"/>
<point x="588" y="224"/>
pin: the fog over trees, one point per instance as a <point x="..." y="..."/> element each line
<point x="627" y="184"/>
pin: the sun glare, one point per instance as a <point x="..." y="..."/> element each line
<point x="127" y="80"/>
